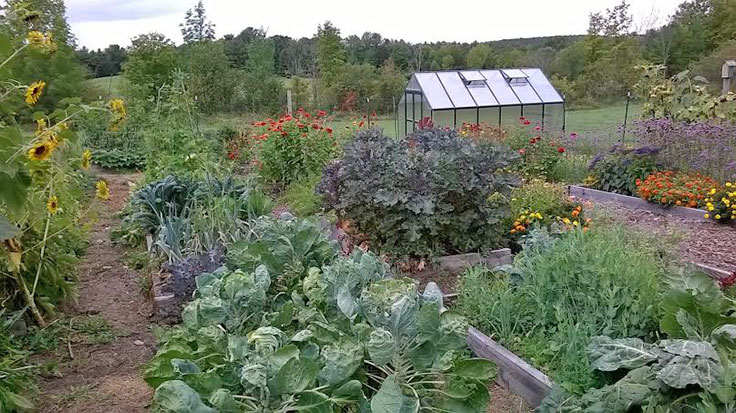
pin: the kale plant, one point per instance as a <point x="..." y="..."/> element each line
<point x="430" y="193"/>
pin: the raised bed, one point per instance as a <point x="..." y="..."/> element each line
<point x="633" y="202"/>
<point x="515" y="374"/>
<point x="457" y="263"/>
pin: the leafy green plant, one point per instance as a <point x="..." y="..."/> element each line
<point x="562" y="291"/>
<point x="347" y="337"/>
<point x="619" y="169"/>
<point x="118" y="159"/>
<point x="430" y="193"/>
<point x="15" y="374"/>
<point x="301" y="198"/>
<point x="287" y="247"/>
<point x="188" y="217"/>
<point x="692" y="370"/>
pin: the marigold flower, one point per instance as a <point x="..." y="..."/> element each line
<point x="52" y="205"/>
<point x="103" y="192"/>
<point x="34" y="91"/>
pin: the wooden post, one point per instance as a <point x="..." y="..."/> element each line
<point x="288" y="102"/>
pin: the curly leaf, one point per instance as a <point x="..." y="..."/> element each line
<point x="382" y="346"/>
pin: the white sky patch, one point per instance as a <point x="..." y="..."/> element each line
<point x="99" y="23"/>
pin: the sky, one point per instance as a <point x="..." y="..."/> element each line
<point x="99" y="23"/>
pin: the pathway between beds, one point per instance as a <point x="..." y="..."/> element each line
<point x="104" y="377"/>
<point x="697" y="240"/>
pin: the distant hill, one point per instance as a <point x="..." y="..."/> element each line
<point x="555" y="42"/>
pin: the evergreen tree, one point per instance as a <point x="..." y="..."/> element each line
<point x="330" y="52"/>
<point x="196" y="27"/>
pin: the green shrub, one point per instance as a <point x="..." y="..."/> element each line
<point x="562" y="292"/>
<point x="618" y="170"/>
<point x="430" y="193"/>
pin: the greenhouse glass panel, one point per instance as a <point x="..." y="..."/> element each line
<point x="468" y="116"/>
<point x="500" y="88"/>
<point x="457" y="90"/>
<point x="544" y="88"/>
<point x="414" y="85"/>
<point x="444" y="118"/>
<point x="482" y="95"/>
<point x="525" y="92"/>
<point x="489" y="116"/>
<point x="510" y="115"/>
<point x="554" y="116"/>
<point x="533" y="113"/>
<point x="434" y="91"/>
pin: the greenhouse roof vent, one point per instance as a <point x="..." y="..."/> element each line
<point x="473" y="79"/>
<point x="515" y="76"/>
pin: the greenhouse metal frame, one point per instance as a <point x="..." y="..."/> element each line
<point x="497" y="96"/>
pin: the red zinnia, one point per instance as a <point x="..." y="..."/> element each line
<point x="561" y="149"/>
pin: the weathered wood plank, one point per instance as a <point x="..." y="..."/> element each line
<point x="714" y="272"/>
<point x="460" y="262"/>
<point x="633" y="202"/>
<point x="514" y="373"/>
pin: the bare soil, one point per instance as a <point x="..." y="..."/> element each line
<point x="104" y="377"/>
<point x="505" y="401"/>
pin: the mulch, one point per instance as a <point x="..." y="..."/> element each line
<point x="696" y="240"/>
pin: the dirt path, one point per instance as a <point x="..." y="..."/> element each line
<point x="104" y="375"/>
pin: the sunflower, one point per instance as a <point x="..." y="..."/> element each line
<point x="41" y="150"/>
<point x="33" y="92"/>
<point x="103" y="192"/>
<point x="41" y="42"/>
<point x="41" y="125"/>
<point x="52" y="205"/>
<point x="36" y="39"/>
<point x="118" y="108"/>
<point x="86" y="158"/>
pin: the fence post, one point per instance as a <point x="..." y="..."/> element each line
<point x="288" y="102"/>
<point x="626" y="117"/>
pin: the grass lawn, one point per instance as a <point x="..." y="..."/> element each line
<point x="605" y="119"/>
<point x="108" y="87"/>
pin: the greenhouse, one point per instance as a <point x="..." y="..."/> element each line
<point x="494" y="97"/>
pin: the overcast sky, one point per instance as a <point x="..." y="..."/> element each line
<point x="98" y="23"/>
